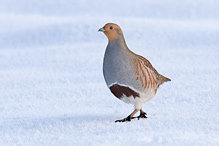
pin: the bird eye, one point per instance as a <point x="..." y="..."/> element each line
<point x="111" y="27"/>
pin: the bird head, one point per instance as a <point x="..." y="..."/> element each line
<point x="112" y="31"/>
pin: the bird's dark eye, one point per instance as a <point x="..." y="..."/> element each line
<point x="111" y="27"/>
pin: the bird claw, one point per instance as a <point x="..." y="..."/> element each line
<point x="128" y="119"/>
<point x="142" y="115"/>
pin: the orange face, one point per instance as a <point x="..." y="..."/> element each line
<point x="112" y="31"/>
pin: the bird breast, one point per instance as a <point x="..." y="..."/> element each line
<point x="126" y="69"/>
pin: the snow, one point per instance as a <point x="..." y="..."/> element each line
<point x="52" y="89"/>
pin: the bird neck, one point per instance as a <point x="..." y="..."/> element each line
<point x="119" y="42"/>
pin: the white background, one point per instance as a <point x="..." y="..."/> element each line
<point x="52" y="90"/>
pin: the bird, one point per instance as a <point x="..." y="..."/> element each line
<point x="129" y="76"/>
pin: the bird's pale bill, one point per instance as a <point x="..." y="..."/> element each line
<point x="102" y="29"/>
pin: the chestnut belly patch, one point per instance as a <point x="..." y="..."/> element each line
<point x="119" y="91"/>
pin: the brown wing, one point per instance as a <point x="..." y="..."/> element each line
<point x="146" y="75"/>
<point x="149" y="65"/>
<point x="160" y="78"/>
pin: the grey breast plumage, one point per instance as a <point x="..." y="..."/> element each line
<point x="119" y="66"/>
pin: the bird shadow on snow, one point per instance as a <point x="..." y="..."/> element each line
<point x="32" y="122"/>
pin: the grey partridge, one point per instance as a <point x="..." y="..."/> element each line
<point x="130" y="77"/>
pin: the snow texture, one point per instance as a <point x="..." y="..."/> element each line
<point x="52" y="89"/>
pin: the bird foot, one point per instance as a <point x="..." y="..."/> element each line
<point x="128" y="119"/>
<point x="142" y="115"/>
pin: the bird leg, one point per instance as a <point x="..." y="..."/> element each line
<point x="129" y="117"/>
<point x="142" y="114"/>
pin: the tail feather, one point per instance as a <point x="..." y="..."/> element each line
<point x="163" y="79"/>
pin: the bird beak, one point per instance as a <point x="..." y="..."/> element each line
<point x="102" y="29"/>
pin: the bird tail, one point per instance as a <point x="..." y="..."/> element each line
<point x="163" y="79"/>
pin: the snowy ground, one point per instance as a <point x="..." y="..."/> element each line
<point x="52" y="89"/>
